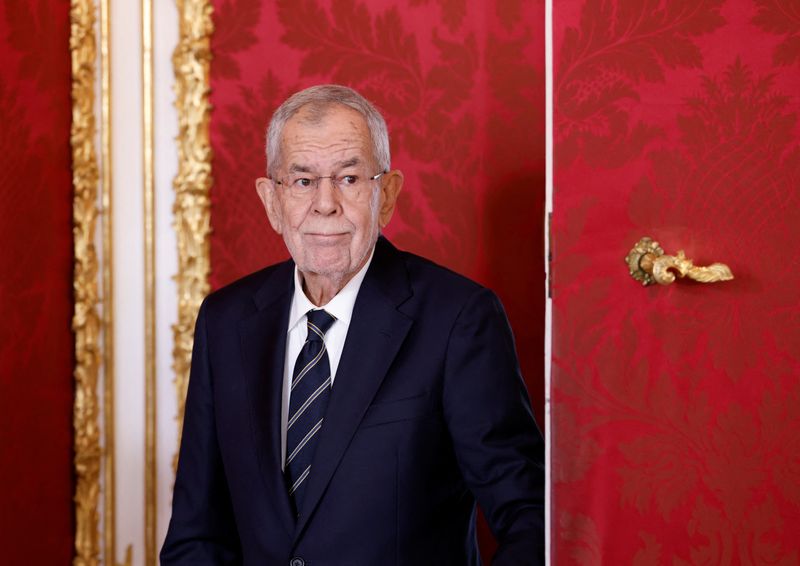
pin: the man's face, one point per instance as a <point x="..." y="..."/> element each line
<point x="328" y="231"/>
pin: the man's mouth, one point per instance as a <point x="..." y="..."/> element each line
<point x="326" y="238"/>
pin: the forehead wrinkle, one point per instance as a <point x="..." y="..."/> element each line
<point x="309" y="145"/>
<point x="311" y="142"/>
<point x="299" y="164"/>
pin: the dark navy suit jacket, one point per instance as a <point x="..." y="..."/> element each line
<point x="427" y="414"/>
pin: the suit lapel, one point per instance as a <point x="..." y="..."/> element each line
<point x="377" y="330"/>
<point x="263" y="339"/>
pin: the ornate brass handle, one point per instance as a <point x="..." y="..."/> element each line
<point x="648" y="263"/>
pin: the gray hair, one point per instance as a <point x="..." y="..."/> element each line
<point x="320" y="98"/>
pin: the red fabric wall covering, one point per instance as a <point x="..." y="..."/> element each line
<point x="463" y="92"/>
<point x="36" y="343"/>
<point x="462" y="87"/>
<point x="676" y="409"/>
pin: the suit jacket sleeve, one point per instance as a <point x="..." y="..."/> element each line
<point x="202" y="528"/>
<point x="498" y="445"/>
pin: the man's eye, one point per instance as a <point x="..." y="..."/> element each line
<point x="349" y="180"/>
<point x="302" y="182"/>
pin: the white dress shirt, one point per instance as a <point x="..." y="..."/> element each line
<point x="341" y="307"/>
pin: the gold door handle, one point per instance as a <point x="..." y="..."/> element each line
<point x="648" y="263"/>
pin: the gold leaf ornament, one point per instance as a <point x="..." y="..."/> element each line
<point x="192" y="209"/>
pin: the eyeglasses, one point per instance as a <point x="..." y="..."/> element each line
<point x="302" y="185"/>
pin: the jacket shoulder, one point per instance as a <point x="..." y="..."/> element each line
<point x="268" y="283"/>
<point x="431" y="281"/>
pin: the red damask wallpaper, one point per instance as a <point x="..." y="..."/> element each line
<point x="462" y="87"/>
<point x="36" y="361"/>
<point x="676" y="409"/>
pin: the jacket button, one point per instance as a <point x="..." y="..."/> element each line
<point x="297" y="561"/>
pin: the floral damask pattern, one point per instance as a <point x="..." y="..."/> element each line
<point x="675" y="408"/>
<point x="781" y="17"/>
<point x="615" y="47"/>
<point x="374" y="52"/>
<point x="36" y="362"/>
<point x="464" y="99"/>
<point x="740" y="152"/>
<point x="424" y="77"/>
<point x="462" y="87"/>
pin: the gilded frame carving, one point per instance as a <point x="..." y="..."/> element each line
<point x="191" y="62"/>
<point x="86" y="322"/>
<point x="192" y="211"/>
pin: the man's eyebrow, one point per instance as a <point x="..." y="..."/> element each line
<point x="349" y="162"/>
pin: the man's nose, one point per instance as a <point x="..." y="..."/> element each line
<point x="327" y="196"/>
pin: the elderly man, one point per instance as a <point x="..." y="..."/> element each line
<point x="349" y="406"/>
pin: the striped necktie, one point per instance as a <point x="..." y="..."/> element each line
<point x="311" y="389"/>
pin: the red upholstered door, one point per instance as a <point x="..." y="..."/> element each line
<point x="676" y="410"/>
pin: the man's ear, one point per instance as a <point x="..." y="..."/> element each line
<point x="266" y="192"/>
<point x="391" y="183"/>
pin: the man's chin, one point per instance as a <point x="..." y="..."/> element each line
<point x="338" y="263"/>
<point x="327" y="240"/>
<point x="334" y="266"/>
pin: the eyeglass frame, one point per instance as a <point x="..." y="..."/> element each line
<point x="315" y="181"/>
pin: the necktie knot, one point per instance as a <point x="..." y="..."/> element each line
<point x="319" y="321"/>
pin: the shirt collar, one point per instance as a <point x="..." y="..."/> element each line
<point x="340" y="306"/>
